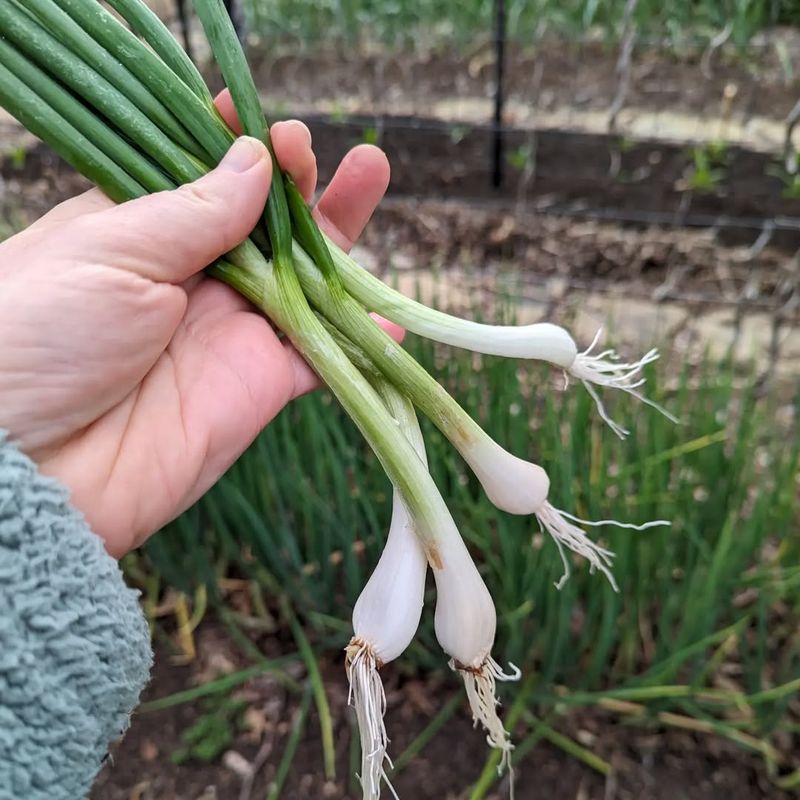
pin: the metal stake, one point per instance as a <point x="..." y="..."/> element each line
<point x="183" y="18"/>
<point x="499" y="99"/>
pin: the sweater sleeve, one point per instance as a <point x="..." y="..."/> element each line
<point x="74" y="644"/>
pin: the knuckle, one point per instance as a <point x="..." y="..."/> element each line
<point x="210" y="217"/>
<point x="199" y="197"/>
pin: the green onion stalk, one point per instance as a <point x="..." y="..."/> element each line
<point x="123" y="103"/>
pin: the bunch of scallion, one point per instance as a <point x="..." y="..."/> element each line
<point x="125" y="106"/>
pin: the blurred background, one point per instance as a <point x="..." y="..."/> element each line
<point x="594" y="163"/>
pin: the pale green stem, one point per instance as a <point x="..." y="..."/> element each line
<point x="397" y="364"/>
<point x="402" y="409"/>
<point x="347" y="314"/>
<point x="279" y="295"/>
<point x="542" y="341"/>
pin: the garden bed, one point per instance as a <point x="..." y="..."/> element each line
<point x="645" y="763"/>
<point x="653" y="281"/>
<point x="568" y="172"/>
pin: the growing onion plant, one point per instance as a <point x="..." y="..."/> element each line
<point x="118" y="98"/>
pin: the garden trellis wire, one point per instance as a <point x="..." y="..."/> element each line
<point x="606" y="158"/>
<point x="627" y="122"/>
<point x="500" y="38"/>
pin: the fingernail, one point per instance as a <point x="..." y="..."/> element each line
<point x="244" y="153"/>
<point x="301" y="126"/>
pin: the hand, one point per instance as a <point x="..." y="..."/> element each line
<point x="127" y="374"/>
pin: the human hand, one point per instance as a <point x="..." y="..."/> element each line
<point x="127" y="374"/>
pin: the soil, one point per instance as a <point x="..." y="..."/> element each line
<point x="646" y="764"/>
<point x="431" y="113"/>
<point x="551" y="74"/>
<point x="569" y="172"/>
<point x="655" y="262"/>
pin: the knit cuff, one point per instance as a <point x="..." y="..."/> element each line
<point x="74" y="645"/>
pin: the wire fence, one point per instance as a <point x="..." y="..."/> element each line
<point x="634" y="112"/>
<point x="715" y="105"/>
<point x="717" y="78"/>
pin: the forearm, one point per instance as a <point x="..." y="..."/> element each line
<point x="74" y="645"/>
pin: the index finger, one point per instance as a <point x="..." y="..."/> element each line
<point x="224" y="103"/>
<point x="353" y="194"/>
<point x="291" y="141"/>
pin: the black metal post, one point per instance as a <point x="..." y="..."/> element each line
<point x="183" y="18"/>
<point x="237" y="17"/>
<point x="499" y="94"/>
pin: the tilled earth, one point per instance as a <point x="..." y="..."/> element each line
<point x="413" y="232"/>
<point x="645" y="763"/>
<point x="656" y="280"/>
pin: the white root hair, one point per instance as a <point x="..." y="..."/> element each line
<point x="606" y="369"/>
<point x="559" y="524"/>
<point x="369" y="700"/>
<point x="481" y="686"/>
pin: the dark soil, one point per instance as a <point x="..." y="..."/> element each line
<point x="698" y="267"/>
<point x="646" y="764"/>
<point x="571" y="172"/>
<point x="552" y="74"/>
<point x="694" y="268"/>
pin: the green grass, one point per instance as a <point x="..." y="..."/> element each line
<point x="404" y="22"/>
<point x="307" y="507"/>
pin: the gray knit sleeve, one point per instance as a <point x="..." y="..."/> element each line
<point x="74" y="645"/>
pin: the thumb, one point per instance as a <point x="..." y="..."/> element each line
<point x="169" y="236"/>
